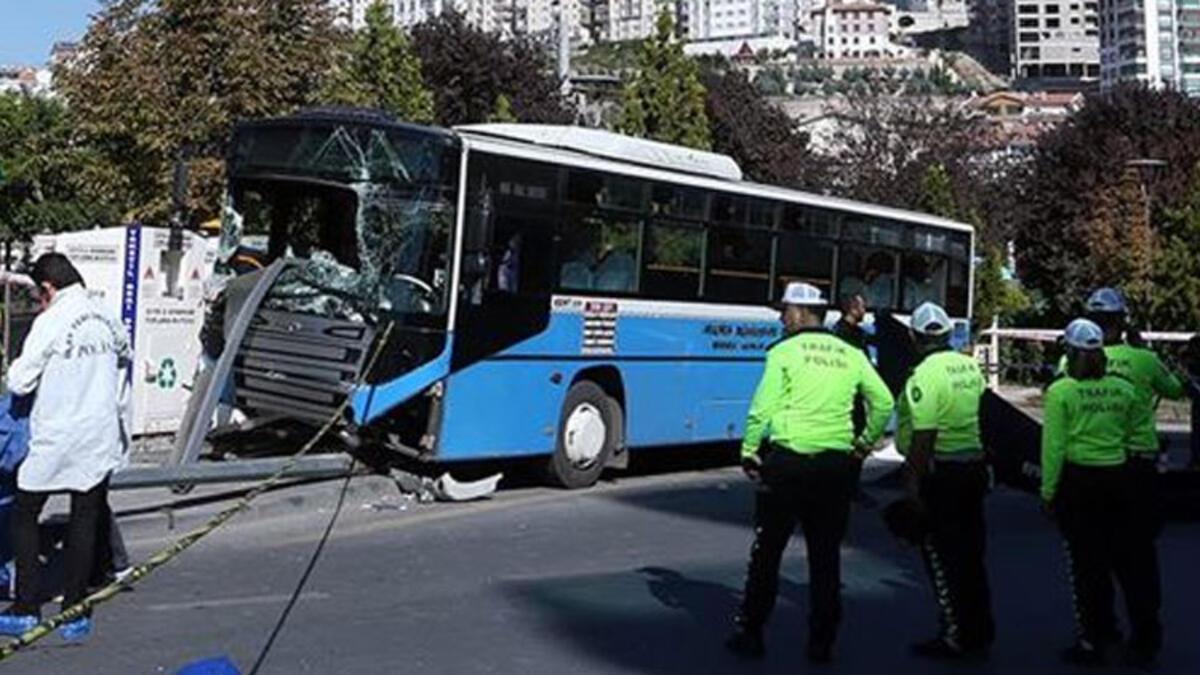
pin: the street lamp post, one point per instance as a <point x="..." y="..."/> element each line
<point x="1148" y="169"/>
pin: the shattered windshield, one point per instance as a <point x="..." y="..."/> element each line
<point x="343" y="153"/>
<point x="366" y="214"/>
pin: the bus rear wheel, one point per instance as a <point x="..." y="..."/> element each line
<point x="588" y="434"/>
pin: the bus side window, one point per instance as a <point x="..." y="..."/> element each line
<point x="958" y="290"/>
<point x="671" y="261"/>
<point x="599" y="254"/>
<point x="729" y="209"/>
<point x="802" y="258"/>
<point x="739" y="264"/>
<point x="516" y="199"/>
<point x="870" y="272"/>
<point x="924" y="277"/>
<point x="521" y="253"/>
<point x="677" y="201"/>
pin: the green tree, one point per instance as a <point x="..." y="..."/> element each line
<point x="1176" y="278"/>
<point x="665" y="99"/>
<point x="762" y="138"/>
<point x="468" y="70"/>
<point x="996" y="295"/>
<point x="503" y="112"/>
<point x="1081" y="219"/>
<point x="47" y="184"/>
<point x="378" y="69"/>
<point x="885" y="145"/>
<point x="772" y="81"/>
<point x="937" y="193"/>
<point x="1117" y="228"/>
<point x="157" y="76"/>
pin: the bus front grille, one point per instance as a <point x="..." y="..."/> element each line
<point x="298" y="365"/>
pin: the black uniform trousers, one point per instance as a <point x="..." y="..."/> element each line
<point x="954" y="550"/>
<point x="1138" y="555"/>
<point x="111" y="554"/>
<point x="1100" y="521"/>
<point x="814" y="491"/>
<point x="82" y="530"/>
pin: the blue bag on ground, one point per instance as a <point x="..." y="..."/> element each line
<point x="218" y="666"/>
<point x="14" y="445"/>
<point x="14" y="431"/>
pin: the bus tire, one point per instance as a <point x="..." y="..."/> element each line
<point x="588" y="433"/>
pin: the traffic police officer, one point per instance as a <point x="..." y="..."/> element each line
<point x="947" y="476"/>
<point x="1152" y="380"/>
<point x="1088" y="425"/>
<point x="802" y="408"/>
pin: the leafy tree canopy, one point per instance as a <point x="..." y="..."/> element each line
<point x="664" y="100"/>
<point x="1084" y="222"/>
<point x="469" y="70"/>
<point x="378" y="69"/>
<point x="154" y="77"/>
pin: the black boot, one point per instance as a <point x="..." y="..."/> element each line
<point x="941" y="649"/>
<point x="820" y="652"/>
<point x="1140" y="658"/>
<point x="1084" y="654"/>
<point x="746" y="643"/>
<point x="937" y="648"/>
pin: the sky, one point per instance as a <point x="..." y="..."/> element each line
<point x="28" y="28"/>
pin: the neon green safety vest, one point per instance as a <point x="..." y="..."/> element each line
<point x="1087" y="422"/>
<point x="806" y="396"/>
<point x="942" y="395"/>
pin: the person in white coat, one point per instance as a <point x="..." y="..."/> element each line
<point x="71" y="361"/>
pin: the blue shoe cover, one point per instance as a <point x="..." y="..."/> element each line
<point x="16" y="625"/>
<point x="77" y="630"/>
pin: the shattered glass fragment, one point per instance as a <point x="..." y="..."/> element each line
<point x="319" y="285"/>
<point x="232" y="226"/>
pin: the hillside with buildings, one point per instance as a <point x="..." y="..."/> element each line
<point x="831" y="47"/>
<point x="1040" y="44"/>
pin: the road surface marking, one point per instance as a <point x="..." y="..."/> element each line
<point x="234" y="602"/>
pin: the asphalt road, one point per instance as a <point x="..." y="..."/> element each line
<point x="636" y="576"/>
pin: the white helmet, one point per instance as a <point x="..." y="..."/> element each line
<point x="1084" y="334"/>
<point x="802" y="294"/>
<point x="1106" y="301"/>
<point x="930" y="319"/>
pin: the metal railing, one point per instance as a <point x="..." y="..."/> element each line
<point x="987" y="351"/>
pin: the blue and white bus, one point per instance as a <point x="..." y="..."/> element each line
<point x="553" y="291"/>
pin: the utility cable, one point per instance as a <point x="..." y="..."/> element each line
<point x="308" y="570"/>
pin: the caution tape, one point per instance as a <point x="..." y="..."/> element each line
<point x="169" y="553"/>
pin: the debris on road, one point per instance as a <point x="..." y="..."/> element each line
<point x="445" y="488"/>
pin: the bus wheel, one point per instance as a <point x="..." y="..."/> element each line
<point x="587" y="435"/>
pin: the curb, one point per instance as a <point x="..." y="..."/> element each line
<point x="172" y="515"/>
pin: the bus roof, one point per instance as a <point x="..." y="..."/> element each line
<point x="607" y="151"/>
<point x="605" y="144"/>
<point x="342" y="115"/>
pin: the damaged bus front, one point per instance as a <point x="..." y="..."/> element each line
<point x="350" y="218"/>
<point x="551" y="292"/>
